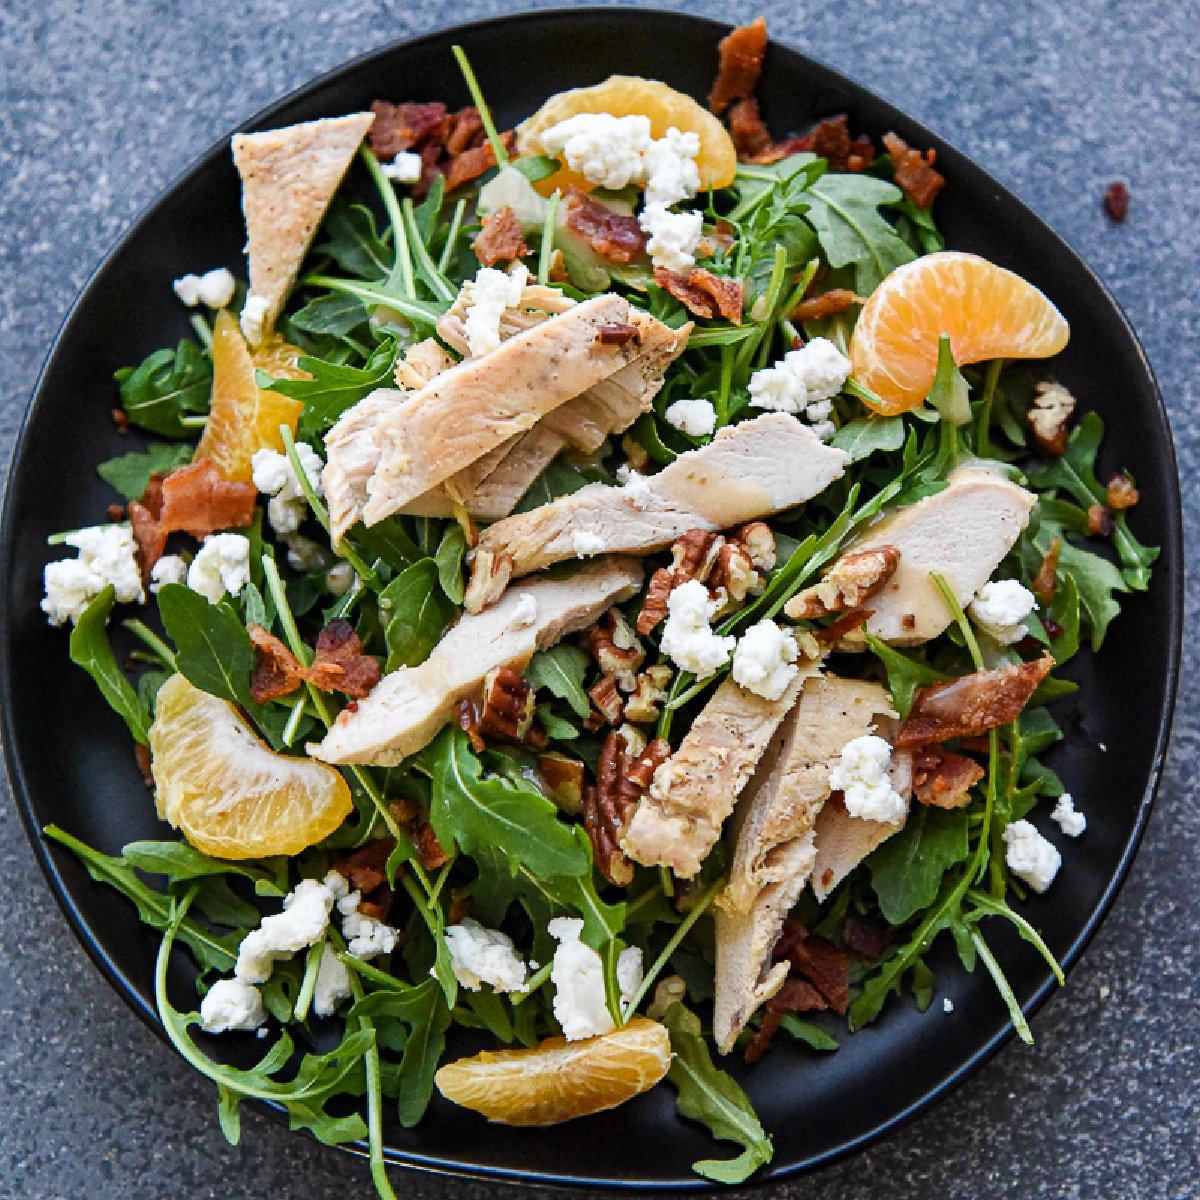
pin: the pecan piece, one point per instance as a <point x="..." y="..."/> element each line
<point x="1121" y="493"/>
<point x="654" y="607"/>
<point x="1046" y="580"/>
<point x="508" y="704"/>
<point x="734" y="572"/>
<point x="759" y="543"/>
<point x="693" y="555"/>
<point x="616" y="648"/>
<point x="651" y="690"/>
<point x="564" y="778"/>
<point x="607" y="699"/>
<point x="1100" y="520"/>
<point x="853" y="579"/>
<point x="1050" y="415"/>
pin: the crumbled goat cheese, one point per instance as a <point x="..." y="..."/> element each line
<point x="169" y="569"/>
<point x="222" y="565"/>
<point x="339" y="579"/>
<point x="404" y="168"/>
<point x="670" y="166"/>
<point x="586" y="544"/>
<point x="860" y="774"/>
<point x="335" y="881"/>
<point x="214" y="288"/>
<point x="638" y="486"/>
<point x="304" y="918"/>
<point x="1030" y="856"/>
<point x="687" y="638"/>
<point x="274" y="475"/>
<point x="608" y="151"/>
<point x="526" y="612"/>
<point x="1000" y="608"/>
<point x="479" y="956"/>
<point x="1070" y="820"/>
<point x="671" y="237"/>
<point x="231" y="1004"/>
<point x="696" y="418"/>
<point x="487" y="296"/>
<point x="765" y="658"/>
<point x="365" y="936"/>
<point x="254" y="312"/>
<point x="803" y="380"/>
<point x="947" y="1005"/>
<point x="333" y="983"/>
<point x="107" y="554"/>
<point x="578" y="978"/>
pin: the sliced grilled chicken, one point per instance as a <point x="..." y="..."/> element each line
<point x="408" y="707"/>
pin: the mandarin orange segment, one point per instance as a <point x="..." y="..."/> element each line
<point x="560" y="1080"/>
<point x="987" y="312"/>
<point x="243" y="417"/>
<point x="279" y="358"/>
<point x="624" y="96"/>
<point x="231" y="795"/>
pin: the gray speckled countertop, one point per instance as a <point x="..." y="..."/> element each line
<point x="101" y="104"/>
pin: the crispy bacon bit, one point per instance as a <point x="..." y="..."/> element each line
<point x="340" y="664"/>
<point x="470" y="164"/>
<point x="972" y="704"/>
<point x="751" y="138"/>
<point x="142" y="754"/>
<point x="831" y="140"/>
<point x="835" y="300"/>
<point x="845" y="625"/>
<point x="756" y="1047"/>
<point x="500" y="239"/>
<point x="612" y="235"/>
<point x="866" y="937"/>
<point x="365" y="869"/>
<point x="276" y="672"/>
<point x="194" y="499"/>
<point x="1100" y="520"/>
<point x="914" y="170"/>
<point x="429" y="849"/>
<point x="943" y="779"/>
<point x="741" y="64"/>
<point x="400" y="127"/>
<point x="1116" y="201"/>
<point x="466" y="131"/>
<point x="617" y="334"/>
<point x="826" y="967"/>
<point x="1046" y="580"/>
<point x="1050" y="416"/>
<point x="721" y="238"/>
<point x="703" y="293"/>
<point x="405" y="811"/>
<point x="116" y="512"/>
<point x="460" y="907"/>
<point x="1121" y="493"/>
<point x="120" y="420"/>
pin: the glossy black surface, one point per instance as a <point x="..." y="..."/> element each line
<point x="80" y="773"/>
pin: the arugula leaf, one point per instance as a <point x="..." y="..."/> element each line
<point x="213" y="649"/>
<point x="90" y="650"/>
<point x="908" y="868"/>
<point x="806" y="1031"/>
<point x="558" y="479"/>
<point x="353" y="243"/>
<point x="166" y="386"/>
<point x="415" y="614"/>
<point x="861" y="437"/>
<point x="179" y="861"/>
<point x="905" y="674"/>
<point x="536" y="167"/>
<point x="949" y="393"/>
<point x="472" y="810"/>
<point x="130" y="473"/>
<point x="711" y="1096"/>
<point x="845" y="213"/>
<point x="333" y="315"/>
<point x="449" y="558"/>
<point x="561" y="670"/>
<point x="488" y="1011"/>
<point x="1095" y="579"/>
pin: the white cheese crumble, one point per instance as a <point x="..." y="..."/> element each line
<point x="231" y="1004"/>
<point x="637" y="486"/>
<point x="804" y="380"/>
<point x="687" y="637"/>
<point x="479" y="956"/>
<point x="304" y="918"/>
<point x="254" y="312"/>
<point x="525" y="613"/>
<point x="578" y="978"/>
<point x="404" y="168"/>
<point x="947" y="1005"/>
<point x="696" y="418"/>
<point x="107" y="555"/>
<point x="1070" y="820"/>
<point x="487" y="296"/>
<point x="169" y="569"/>
<point x="860" y="774"/>
<point x="1000" y="608"/>
<point x="221" y="565"/>
<point x="1030" y="856"/>
<point x="333" y="983"/>
<point x="274" y="476"/>
<point x="585" y="543"/>
<point x="670" y="167"/>
<point x="671" y="237"/>
<point x="214" y="288"/>
<point x="764" y="661"/>
<point x="365" y="936"/>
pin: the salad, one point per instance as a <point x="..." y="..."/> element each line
<point x="599" y="585"/>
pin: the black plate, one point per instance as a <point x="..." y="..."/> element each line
<point x="70" y="759"/>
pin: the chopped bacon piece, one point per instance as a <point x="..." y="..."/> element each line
<point x="797" y="995"/>
<point x="866" y="937"/>
<point x="1121" y="493"/>
<point x="943" y="779"/>
<point x="1116" y="200"/>
<point x="340" y="664"/>
<point x="741" y="64"/>
<point x="703" y="293"/>
<point x="470" y="164"/>
<point x="1100" y="520"/>
<point x="116" y="512"/>
<point x="771" y="1020"/>
<point x="847" y="623"/>
<point x="835" y="300"/>
<point x="120" y="420"/>
<point x="142" y="754"/>
<point x="914" y="170"/>
<point x="429" y="849"/>
<point x="365" y="869"/>
<point x="862" y="154"/>
<point x="751" y="138"/>
<point x="824" y="966"/>
<point x="500" y="239"/>
<point x="276" y="671"/>
<point x="831" y="140"/>
<point x="972" y="704"/>
<point x="612" y="235"/>
<point x="618" y="334"/>
<point x="466" y="131"/>
<point x="1046" y="580"/>
<point x="399" y="127"/>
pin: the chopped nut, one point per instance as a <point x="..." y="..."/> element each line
<point x="1050" y="415"/>
<point x="1100" y="520"/>
<point x="651" y="690"/>
<point x="835" y="300"/>
<point x="734" y="573"/>
<point x="654" y="607"/>
<point x="635" y="741"/>
<point x="1046" y="580"/>
<point x="852" y="579"/>
<point x="607" y="699"/>
<point x="405" y="811"/>
<point x="564" y="778"/>
<point x="616" y="648"/>
<point x="759" y="543"/>
<point x="508" y="704"/>
<point x="617" y="334"/>
<point x="490" y="574"/>
<point x="621" y="782"/>
<point x="693" y="555"/>
<point x="635" y="453"/>
<point x="1121" y="493"/>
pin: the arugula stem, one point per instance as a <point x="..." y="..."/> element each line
<point x="443" y="874"/>
<point x="161" y="650"/>
<point x="194" y="420"/>
<point x="452" y="235"/>
<point x="312" y="968"/>
<point x="433" y="276"/>
<point x="983" y="416"/>
<point x="203" y="332"/>
<point x="368" y="972"/>
<point x="485" y="114"/>
<point x="960" y="617"/>
<point x="293" y="721"/>
<point x="420" y="311"/>
<point x="998" y="908"/>
<point x="546" y="251"/>
<point x="1003" y="987"/>
<point x="863" y="393"/>
<point x="535" y="981"/>
<point x="770" y="300"/>
<point x="402" y="269"/>
<point x="726" y="385"/>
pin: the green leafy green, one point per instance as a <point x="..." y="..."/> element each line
<point x="334" y="315"/>
<point x="864" y="435"/>
<point x="1095" y="578"/>
<point x="90" y="650"/>
<point x="561" y="670"/>
<point x="130" y="473"/>
<point x="449" y="558"/>
<point x="179" y="861"/>
<point x="807" y="1032"/>
<point x="165" y="387"/>
<point x="949" y="393"/>
<point x="213" y="649"/>
<point x="907" y="869"/>
<point x="415" y="614"/>
<point x="352" y="241"/>
<point x="905" y="674"/>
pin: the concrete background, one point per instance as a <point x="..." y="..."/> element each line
<point x="101" y="104"/>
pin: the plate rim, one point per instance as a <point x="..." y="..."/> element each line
<point x="1172" y="559"/>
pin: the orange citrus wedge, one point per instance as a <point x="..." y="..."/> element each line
<point x="624" y="96"/>
<point x="987" y="312"/>
<point x="230" y="794"/>
<point x="560" y="1080"/>
<point x="243" y="417"/>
